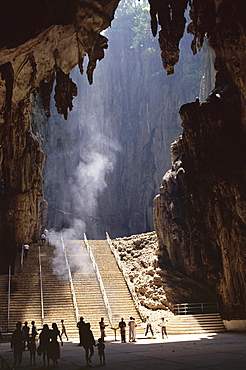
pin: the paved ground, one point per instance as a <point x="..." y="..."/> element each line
<point x="212" y="351"/>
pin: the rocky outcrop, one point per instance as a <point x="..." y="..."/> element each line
<point x="155" y="283"/>
<point x="199" y="212"/>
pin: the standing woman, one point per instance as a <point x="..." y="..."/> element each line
<point x="54" y="347"/>
<point x="44" y="340"/>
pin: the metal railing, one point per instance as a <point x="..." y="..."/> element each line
<point x="22" y="258"/>
<point x="195" y="308"/>
<point x="4" y="365"/>
<point x="127" y="280"/>
<point x="9" y="294"/>
<point x="104" y="295"/>
<point x="70" y="280"/>
<point x="41" y="287"/>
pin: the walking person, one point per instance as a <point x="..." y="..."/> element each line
<point x="26" y="250"/>
<point x="149" y="326"/>
<point x="81" y="327"/>
<point x="122" y="326"/>
<point x="17" y="344"/>
<point x="163" y="327"/>
<point x="54" y="352"/>
<point x="132" y="330"/>
<point x="102" y="326"/>
<point x="44" y="340"/>
<point x="63" y="331"/>
<point x="26" y="330"/>
<point x="43" y="238"/>
<point x="101" y="351"/>
<point x="88" y="343"/>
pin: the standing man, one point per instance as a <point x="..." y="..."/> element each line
<point x="26" y="330"/>
<point x="18" y="343"/>
<point x="102" y="326"/>
<point x="163" y="327"/>
<point x="132" y="330"/>
<point x="81" y="327"/>
<point x="149" y="326"/>
<point x="122" y="326"/>
<point x="34" y="331"/>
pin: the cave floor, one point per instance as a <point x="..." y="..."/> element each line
<point x="208" y="351"/>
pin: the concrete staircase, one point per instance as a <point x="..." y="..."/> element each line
<point x="25" y="301"/>
<point x="87" y="291"/>
<point x="58" y="300"/>
<point x="57" y="296"/>
<point x="195" y="324"/>
<point x="3" y="301"/>
<point x="119" y="297"/>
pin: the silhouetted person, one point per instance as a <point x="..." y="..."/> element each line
<point x="54" y="346"/>
<point x="122" y="326"/>
<point x="149" y="326"/>
<point x="44" y="340"/>
<point x="26" y="330"/>
<point x="32" y="350"/>
<point x="17" y="344"/>
<point x="102" y="326"/>
<point x="163" y="327"/>
<point x="101" y="351"/>
<point x="34" y="331"/>
<point x="81" y="327"/>
<point x="63" y="331"/>
<point x="88" y="343"/>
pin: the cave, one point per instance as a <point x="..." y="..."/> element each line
<point x="199" y="213"/>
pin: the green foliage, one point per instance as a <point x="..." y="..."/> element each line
<point x="132" y="21"/>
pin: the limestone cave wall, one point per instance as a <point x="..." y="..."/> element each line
<point x="41" y="42"/>
<point x="200" y="209"/>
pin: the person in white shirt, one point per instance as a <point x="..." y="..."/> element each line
<point x="149" y="326"/>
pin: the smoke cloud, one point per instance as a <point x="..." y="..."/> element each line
<point x="93" y="156"/>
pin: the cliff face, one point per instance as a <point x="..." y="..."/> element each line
<point x="117" y="120"/>
<point x="200" y="210"/>
<point x="40" y="43"/>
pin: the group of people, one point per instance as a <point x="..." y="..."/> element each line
<point x="45" y="236"/>
<point x="22" y="338"/>
<point x="25" y="338"/>
<point x="86" y="339"/>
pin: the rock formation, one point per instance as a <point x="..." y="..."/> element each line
<point x="200" y="210"/>
<point x="40" y="42"/>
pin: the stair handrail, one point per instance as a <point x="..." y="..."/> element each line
<point x="22" y="257"/>
<point x="127" y="280"/>
<point x="70" y="280"/>
<point x="189" y="308"/>
<point x="99" y="278"/>
<point x="41" y="286"/>
<point x="9" y="294"/>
